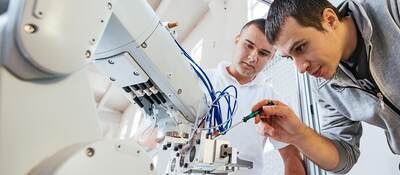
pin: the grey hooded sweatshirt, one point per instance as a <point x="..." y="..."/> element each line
<point x="343" y="104"/>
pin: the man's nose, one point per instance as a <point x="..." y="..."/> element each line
<point x="253" y="56"/>
<point x="302" y="65"/>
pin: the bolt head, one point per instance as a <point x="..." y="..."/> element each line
<point x="90" y="152"/>
<point x="30" y="28"/>
<point x="88" y="54"/>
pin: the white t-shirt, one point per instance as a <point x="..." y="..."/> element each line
<point x="244" y="137"/>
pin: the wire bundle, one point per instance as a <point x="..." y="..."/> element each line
<point x="214" y="117"/>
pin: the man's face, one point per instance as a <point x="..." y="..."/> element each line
<point x="252" y="52"/>
<point x="315" y="52"/>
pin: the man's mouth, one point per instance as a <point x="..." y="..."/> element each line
<point x="317" y="73"/>
<point x="248" y="65"/>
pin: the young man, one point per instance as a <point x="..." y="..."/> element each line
<point x="251" y="54"/>
<point x="354" y="51"/>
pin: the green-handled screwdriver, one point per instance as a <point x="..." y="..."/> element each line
<point x="245" y="119"/>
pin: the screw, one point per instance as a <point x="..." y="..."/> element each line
<point x="30" y="28"/>
<point x="138" y="151"/>
<point x="179" y="91"/>
<point x="112" y="79"/>
<point x="93" y="41"/>
<point x="136" y="73"/>
<point x="88" y="54"/>
<point x="144" y="45"/>
<point x="109" y="5"/>
<point x="111" y="61"/>
<point x="90" y="152"/>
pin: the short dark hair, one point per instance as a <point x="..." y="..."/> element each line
<point x="308" y="13"/>
<point x="259" y="23"/>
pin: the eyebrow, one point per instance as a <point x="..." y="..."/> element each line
<point x="264" y="50"/>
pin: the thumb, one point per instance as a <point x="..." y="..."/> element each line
<point x="257" y="119"/>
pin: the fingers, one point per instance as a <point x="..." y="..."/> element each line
<point x="262" y="118"/>
<point x="266" y="102"/>
<point x="264" y="129"/>
<point x="275" y="111"/>
<point x="268" y="129"/>
<point x="264" y="126"/>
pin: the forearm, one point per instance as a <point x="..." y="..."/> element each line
<point x="294" y="165"/>
<point x="319" y="149"/>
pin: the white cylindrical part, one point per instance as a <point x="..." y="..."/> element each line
<point x="137" y="17"/>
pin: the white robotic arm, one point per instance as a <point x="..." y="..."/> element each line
<point x="45" y="44"/>
<point x="140" y="56"/>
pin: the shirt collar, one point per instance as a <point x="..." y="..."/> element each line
<point x="260" y="77"/>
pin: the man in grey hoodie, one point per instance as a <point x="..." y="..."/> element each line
<point x="354" y="52"/>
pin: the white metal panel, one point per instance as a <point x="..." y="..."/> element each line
<point x="41" y="117"/>
<point x="187" y="17"/>
<point x="139" y="24"/>
<point x="98" y="158"/>
<point x="63" y="33"/>
<point x="122" y="70"/>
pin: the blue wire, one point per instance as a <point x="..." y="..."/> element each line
<point x="229" y="111"/>
<point x="215" y="115"/>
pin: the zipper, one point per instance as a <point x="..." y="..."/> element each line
<point x="382" y="99"/>
<point x="379" y="96"/>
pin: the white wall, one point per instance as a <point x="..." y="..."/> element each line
<point x="376" y="157"/>
<point x="217" y="31"/>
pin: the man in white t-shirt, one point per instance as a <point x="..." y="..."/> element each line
<point x="251" y="54"/>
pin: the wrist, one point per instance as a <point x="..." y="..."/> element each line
<point x="302" y="136"/>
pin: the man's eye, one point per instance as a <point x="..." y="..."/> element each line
<point x="300" y="48"/>
<point x="263" y="54"/>
<point x="249" y="46"/>
<point x="289" y="57"/>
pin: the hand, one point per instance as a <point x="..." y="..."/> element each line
<point x="280" y="122"/>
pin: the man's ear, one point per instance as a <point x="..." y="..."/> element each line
<point x="330" y="19"/>
<point x="237" y="39"/>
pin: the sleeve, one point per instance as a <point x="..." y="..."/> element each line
<point x="394" y="9"/>
<point x="277" y="144"/>
<point x="344" y="133"/>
